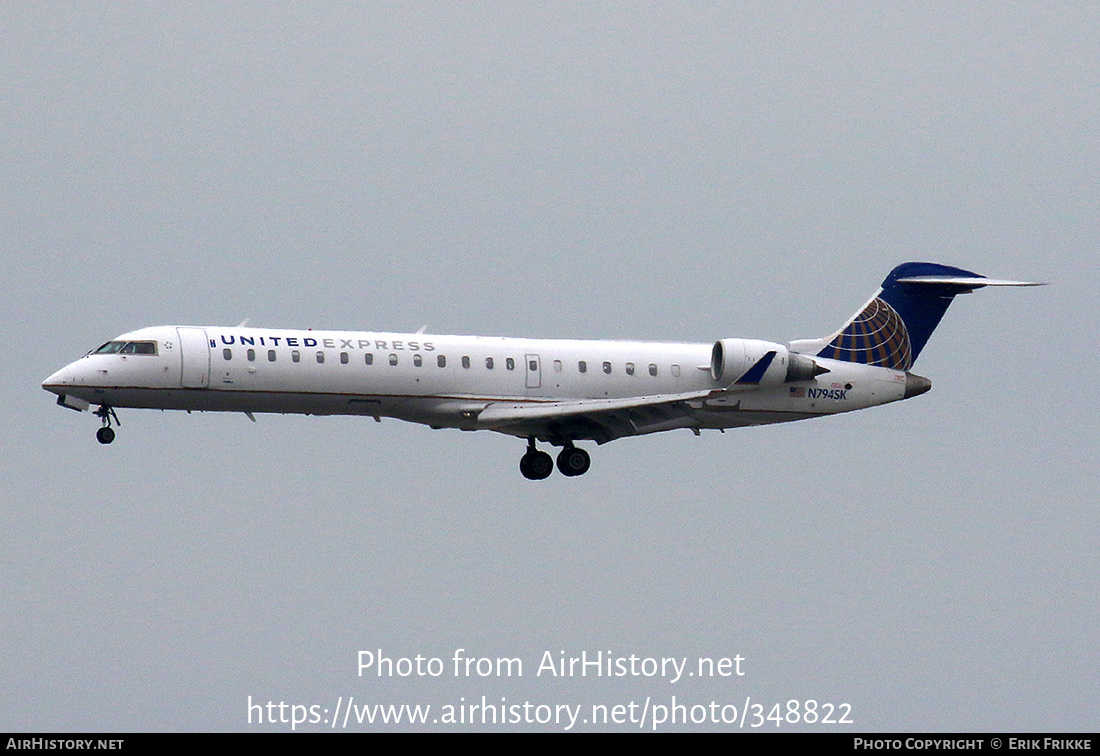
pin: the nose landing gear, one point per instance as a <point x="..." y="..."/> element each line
<point x="106" y="434"/>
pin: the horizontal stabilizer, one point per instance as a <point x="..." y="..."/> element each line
<point x="966" y="281"/>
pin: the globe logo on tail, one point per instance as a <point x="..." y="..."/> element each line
<point x="876" y="336"/>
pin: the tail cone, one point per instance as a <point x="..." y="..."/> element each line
<point x="915" y="385"/>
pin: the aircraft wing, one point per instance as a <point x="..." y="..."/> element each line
<point x="600" y="420"/>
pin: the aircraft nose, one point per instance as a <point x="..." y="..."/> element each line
<point x="69" y="377"/>
<point x="60" y="379"/>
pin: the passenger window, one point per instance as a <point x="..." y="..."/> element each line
<point x="295" y="356"/>
<point x="582" y="367"/>
<point x="227" y="353"/>
<point x="270" y="355"/>
<point x="607" y="368"/>
<point x="465" y="362"/>
<point x="418" y="360"/>
<point x="557" y="366"/>
<point x="369" y="358"/>
<point x="675" y="371"/>
<point x="320" y="357"/>
<point x="343" y="358"/>
<point x="440" y="360"/>
<point x="510" y="364"/>
<point x="489" y="363"/>
<point x="630" y="368"/>
<point x="393" y="359"/>
<point x="652" y="369"/>
<point x="251" y="355"/>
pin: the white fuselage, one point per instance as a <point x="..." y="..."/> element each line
<point x="557" y="391"/>
<point x="448" y="381"/>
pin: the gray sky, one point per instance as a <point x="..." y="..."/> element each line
<point x="665" y="172"/>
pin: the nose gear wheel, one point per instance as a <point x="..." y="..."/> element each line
<point x="106" y="434"/>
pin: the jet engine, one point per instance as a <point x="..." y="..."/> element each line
<point x="754" y="362"/>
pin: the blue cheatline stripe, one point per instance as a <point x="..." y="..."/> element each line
<point x="756" y="372"/>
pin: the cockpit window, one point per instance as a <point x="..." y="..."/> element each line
<point x="127" y="347"/>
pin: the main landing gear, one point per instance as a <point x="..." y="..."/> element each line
<point x="537" y="465"/>
<point x="573" y="461"/>
<point x="106" y="434"/>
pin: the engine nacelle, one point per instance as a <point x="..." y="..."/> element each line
<point x="755" y="362"/>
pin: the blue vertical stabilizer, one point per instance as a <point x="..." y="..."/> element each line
<point x="892" y="329"/>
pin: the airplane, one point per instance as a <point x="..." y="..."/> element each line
<point x="555" y="391"/>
